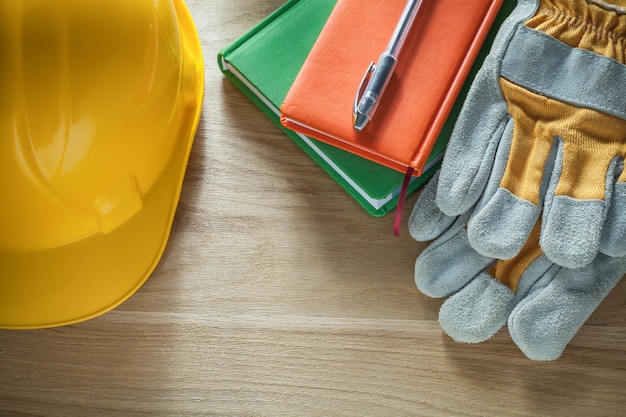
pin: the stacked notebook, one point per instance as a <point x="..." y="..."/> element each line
<point x="267" y="60"/>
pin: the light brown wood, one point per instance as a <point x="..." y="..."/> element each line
<point x="278" y="295"/>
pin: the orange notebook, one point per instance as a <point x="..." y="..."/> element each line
<point x="432" y="66"/>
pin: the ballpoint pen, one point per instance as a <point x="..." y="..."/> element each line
<point x="378" y="75"/>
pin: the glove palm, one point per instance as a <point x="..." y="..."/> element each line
<point x="553" y="91"/>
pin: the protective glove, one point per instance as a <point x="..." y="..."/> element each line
<point x="553" y="90"/>
<point x="545" y="304"/>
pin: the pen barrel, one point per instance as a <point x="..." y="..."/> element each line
<point x="403" y="27"/>
<point x="382" y="74"/>
<point x="379" y="81"/>
<point x="376" y="86"/>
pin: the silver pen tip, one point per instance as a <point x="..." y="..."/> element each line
<point x="359" y="121"/>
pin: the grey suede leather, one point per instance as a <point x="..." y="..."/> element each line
<point x="475" y="223"/>
<point x="544" y="322"/>
<point x="477" y="311"/>
<point x="550" y="305"/>
<point x="613" y="239"/>
<point x="548" y="67"/>
<point x="484" y="116"/>
<point x="573" y="230"/>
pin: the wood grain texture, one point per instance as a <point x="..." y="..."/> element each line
<point x="278" y="295"/>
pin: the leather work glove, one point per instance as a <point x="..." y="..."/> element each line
<point x="544" y="304"/>
<point x="553" y="92"/>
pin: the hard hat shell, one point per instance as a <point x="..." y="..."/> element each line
<point x="100" y="103"/>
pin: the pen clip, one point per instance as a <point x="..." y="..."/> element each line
<point x="362" y="87"/>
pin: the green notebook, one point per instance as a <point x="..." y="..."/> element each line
<point x="263" y="64"/>
<point x="265" y="61"/>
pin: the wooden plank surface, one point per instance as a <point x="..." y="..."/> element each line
<point x="278" y="295"/>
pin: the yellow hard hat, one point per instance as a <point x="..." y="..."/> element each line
<point x="99" y="105"/>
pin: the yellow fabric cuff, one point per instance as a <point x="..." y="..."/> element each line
<point x="582" y="24"/>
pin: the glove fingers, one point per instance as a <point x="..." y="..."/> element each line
<point x="481" y="308"/>
<point x="504" y="218"/>
<point x="478" y="311"/>
<point x="435" y="274"/>
<point x="502" y="227"/>
<point x="573" y="218"/>
<point x="427" y="222"/>
<point x="571" y="234"/>
<point x="545" y="321"/>
<point x="448" y="263"/>
<point x="591" y="128"/>
<point x="613" y="239"/>
<point x="470" y="152"/>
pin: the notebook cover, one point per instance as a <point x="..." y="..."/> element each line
<point x="432" y="67"/>
<point x="263" y="64"/>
